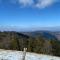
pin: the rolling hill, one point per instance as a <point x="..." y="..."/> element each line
<point x="42" y="42"/>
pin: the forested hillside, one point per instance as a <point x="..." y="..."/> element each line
<point x="38" y="44"/>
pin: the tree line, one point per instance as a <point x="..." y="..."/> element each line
<point x="17" y="41"/>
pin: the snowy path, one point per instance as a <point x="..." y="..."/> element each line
<point x="18" y="55"/>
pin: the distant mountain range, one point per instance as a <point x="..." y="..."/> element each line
<point x="45" y="34"/>
<point x="29" y="29"/>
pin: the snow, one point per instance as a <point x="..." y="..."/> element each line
<point x="18" y="55"/>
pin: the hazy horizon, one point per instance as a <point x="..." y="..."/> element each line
<point x="28" y="29"/>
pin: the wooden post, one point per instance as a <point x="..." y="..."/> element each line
<point x="24" y="53"/>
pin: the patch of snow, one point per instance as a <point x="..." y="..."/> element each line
<point x="18" y="55"/>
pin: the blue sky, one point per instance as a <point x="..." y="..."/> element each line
<point x="30" y="13"/>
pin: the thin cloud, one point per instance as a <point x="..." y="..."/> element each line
<point x="38" y="4"/>
<point x="44" y="3"/>
<point x="26" y="2"/>
<point x="34" y="3"/>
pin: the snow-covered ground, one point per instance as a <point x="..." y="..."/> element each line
<point x="18" y="55"/>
